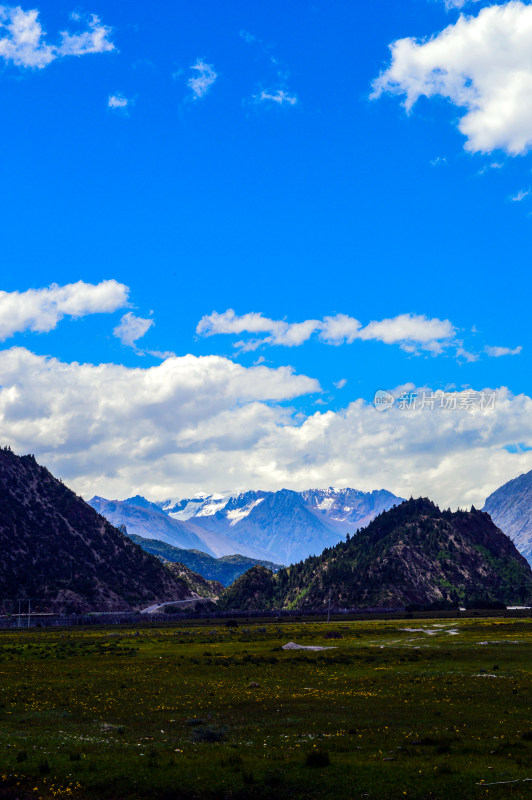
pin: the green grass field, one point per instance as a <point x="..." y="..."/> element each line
<point x="439" y="711"/>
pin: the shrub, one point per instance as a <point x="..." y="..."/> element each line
<point x="334" y="635"/>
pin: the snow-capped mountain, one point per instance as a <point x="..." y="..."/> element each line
<point x="283" y="526"/>
<point x="347" y="507"/>
<point x="149" y="521"/>
<point x="201" y="505"/>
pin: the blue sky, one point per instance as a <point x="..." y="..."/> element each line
<point x="243" y="156"/>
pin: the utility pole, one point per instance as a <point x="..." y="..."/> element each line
<point x="29" y="612"/>
<point x="19" y="613"/>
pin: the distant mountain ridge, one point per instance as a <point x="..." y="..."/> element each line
<point x="225" y="570"/>
<point x="412" y="554"/>
<point x="510" y="507"/>
<point x="283" y="526"/>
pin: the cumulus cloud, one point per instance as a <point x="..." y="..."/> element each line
<point x="109" y="427"/>
<point x="411" y="331"/>
<point x="409" y="328"/>
<point x="93" y="40"/>
<point x="203" y="78"/>
<point x="278" y="97"/>
<point x="132" y="328"/>
<point x="208" y="423"/>
<point x="40" y="310"/>
<point x="23" y="41"/>
<point x="339" y="329"/>
<point x="497" y="352"/>
<point x="482" y="64"/>
<point x="289" y="334"/>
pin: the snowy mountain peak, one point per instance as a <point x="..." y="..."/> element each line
<point x="200" y="505"/>
<point x="283" y="526"/>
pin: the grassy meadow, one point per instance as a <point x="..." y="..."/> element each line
<point x="398" y="709"/>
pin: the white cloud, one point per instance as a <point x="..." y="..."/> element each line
<point x="296" y="333"/>
<point x="202" y="80"/>
<point x="340" y="329"/>
<point x="341" y="383"/>
<point x="111" y="427"/>
<point x="461" y="352"/>
<point x="456" y="3"/>
<point x="409" y="328"/>
<point x="132" y="328"/>
<point x="162" y="354"/>
<point x="278" y="97"/>
<point x="480" y="63"/>
<point x="497" y="352"/>
<point x="247" y="37"/>
<point x="493" y="165"/>
<point x="521" y="194"/>
<point x="118" y="101"/>
<point x="289" y="334"/>
<point x="94" y="40"/>
<point x="23" y="43"/>
<point x="22" y="38"/>
<point x="207" y="423"/>
<point x="40" y="310"/>
<point x="410" y="331"/>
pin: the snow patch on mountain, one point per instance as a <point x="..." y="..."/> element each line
<point x="201" y="505"/>
<point x="326" y="504"/>
<point x="239" y="513"/>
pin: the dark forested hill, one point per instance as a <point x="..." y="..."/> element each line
<point x="413" y="553"/>
<point x="62" y="554"/>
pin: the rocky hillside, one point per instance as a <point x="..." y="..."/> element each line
<point x="225" y="570"/>
<point x="510" y="507"/>
<point x="192" y="582"/>
<point x="412" y="554"/>
<point x="57" y="551"/>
